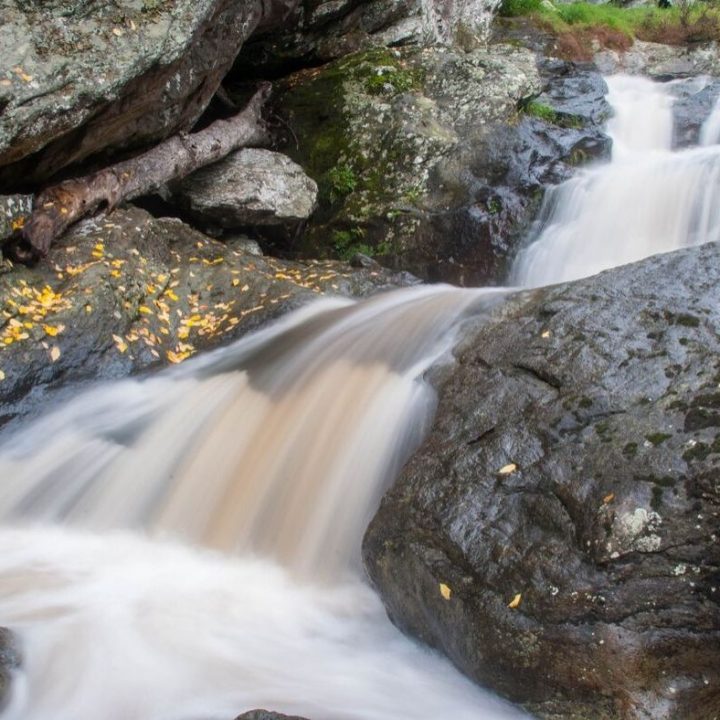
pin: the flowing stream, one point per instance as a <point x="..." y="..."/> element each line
<point x="186" y="547"/>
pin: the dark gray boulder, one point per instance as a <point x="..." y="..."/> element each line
<point x="557" y="535"/>
<point x="82" y="77"/>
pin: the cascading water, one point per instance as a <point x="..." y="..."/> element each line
<point x="647" y="200"/>
<point x="185" y="547"/>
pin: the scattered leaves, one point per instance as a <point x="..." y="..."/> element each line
<point x="120" y="344"/>
<point x="515" y="602"/>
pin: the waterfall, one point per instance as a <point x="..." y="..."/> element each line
<point x="710" y="133"/>
<point x="185" y="546"/>
<point x="647" y="200"/>
<point x="123" y="510"/>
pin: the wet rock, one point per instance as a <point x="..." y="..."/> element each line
<point x="694" y="101"/>
<point x="10" y="660"/>
<point x="83" y="77"/>
<point x="125" y="292"/>
<point x="568" y="500"/>
<point x="248" y="188"/>
<point x="426" y="159"/>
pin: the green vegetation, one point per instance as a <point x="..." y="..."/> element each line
<point x="546" y="113"/>
<point x="350" y="242"/>
<point x="341" y="181"/>
<point x="579" y="24"/>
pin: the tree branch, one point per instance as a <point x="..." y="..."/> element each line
<point x="61" y="205"/>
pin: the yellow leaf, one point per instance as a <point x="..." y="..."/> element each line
<point x="545" y="334"/>
<point x="18" y="223"/>
<point x="174" y="357"/>
<point x="515" y="602"/>
<point x="120" y="344"/>
<point x="508" y="469"/>
<point x="52" y="330"/>
<point x="445" y="591"/>
<point x="2" y="375"/>
<point x="235" y="282"/>
<point x="55" y="353"/>
<point x="608" y="498"/>
<point x="145" y="310"/>
<point x="172" y="295"/>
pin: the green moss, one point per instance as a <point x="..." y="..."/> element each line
<point x="687" y="320"/>
<point x="585" y="402"/>
<point x="657" y="438"/>
<point x="656" y="499"/>
<point x="630" y="450"/>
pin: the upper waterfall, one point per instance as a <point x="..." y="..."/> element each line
<point x="647" y="200"/>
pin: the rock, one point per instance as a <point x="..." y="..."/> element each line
<point x="265" y="715"/>
<point x="663" y="62"/>
<point x="10" y="660"/>
<point x="568" y="497"/>
<point x="82" y="77"/>
<point x="695" y="99"/>
<point x="125" y="292"/>
<point x="248" y="188"/>
<point x="424" y="160"/>
<point x="330" y="29"/>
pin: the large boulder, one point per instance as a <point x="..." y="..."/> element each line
<point x="83" y="77"/>
<point x="248" y="188"/>
<point x="324" y="30"/>
<point x="557" y="533"/>
<point x="125" y="292"/>
<point x="436" y="159"/>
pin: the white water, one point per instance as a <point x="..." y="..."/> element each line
<point x="186" y="547"/>
<point x="710" y="133"/>
<point x="647" y="200"/>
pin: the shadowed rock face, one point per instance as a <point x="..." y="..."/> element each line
<point x="568" y="498"/>
<point x="88" y="77"/>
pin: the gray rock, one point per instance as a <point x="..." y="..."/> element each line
<point x="568" y="499"/>
<point x="330" y="29"/>
<point x="694" y="101"/>
<point x="125" y="292"/>
<point x="425" y="159"/>
<point x="10" y="660"/>
<point x="664" y="62"/>
<point x="247" y="188"/>
<point x="80" y="77"/>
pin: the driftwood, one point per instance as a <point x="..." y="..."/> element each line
<point x="61" y="205"/>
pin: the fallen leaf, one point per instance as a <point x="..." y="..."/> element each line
<point x="508" y="469"/>
<point x="545" y="334"/>
<point x="515" y="602"/>
<point x="2" y="375"/>
<point x="55" y="353"/>
<point x="120" y="344"/>
<point x="145" y="310"/>
<point x="608" y="498"/>
<point x="53" y="330"/>
<point x="445" y="591"/>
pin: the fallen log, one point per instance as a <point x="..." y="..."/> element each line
<point x="61" y="205"/>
